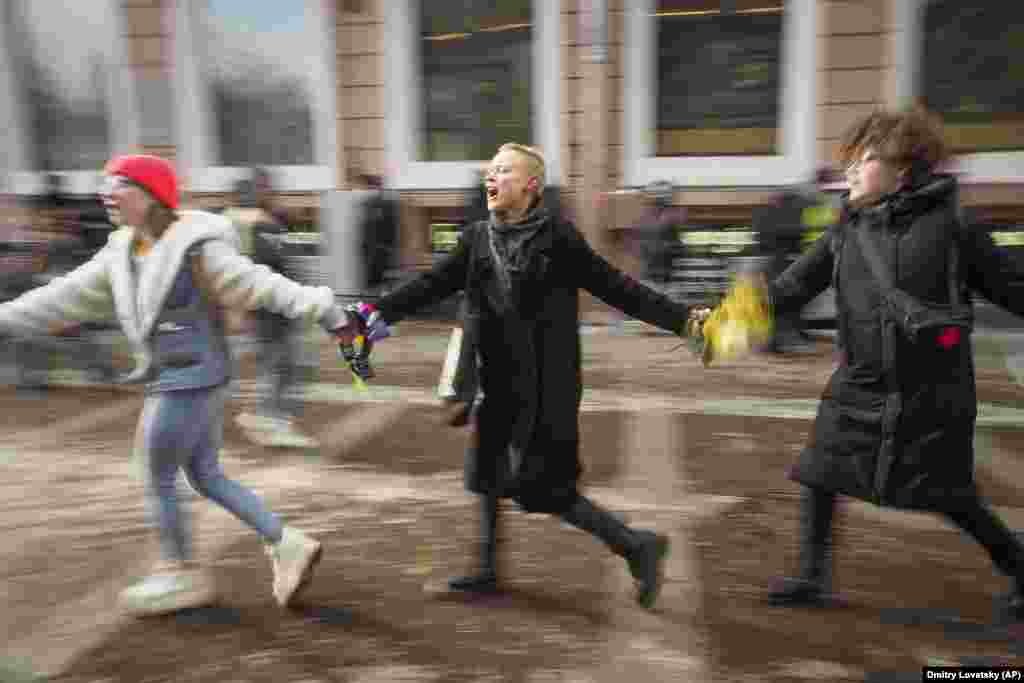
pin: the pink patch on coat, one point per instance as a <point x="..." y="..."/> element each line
<point x="949" y="337"/>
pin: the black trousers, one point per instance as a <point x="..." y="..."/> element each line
<point x="584" y="514"/>
<point x="969" y="513"/>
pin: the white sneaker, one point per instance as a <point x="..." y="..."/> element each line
<point x="278" y="432"/>
<point x="289" y="436"/>
<point x="170" y="588"/>
<point x="294" y="558"/>
<point x="256" y="421"/>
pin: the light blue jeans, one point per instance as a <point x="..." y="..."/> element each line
<point x="185" y="429"/>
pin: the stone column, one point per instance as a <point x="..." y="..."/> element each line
<point x="591" y="59"/>
<point x="149" y="33"/>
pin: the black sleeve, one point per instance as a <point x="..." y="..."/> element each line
<point x="990" y="271"/>
<point x="446" y="277"/>
<point x="806" y="278"/>
<point x="611" y="285"/>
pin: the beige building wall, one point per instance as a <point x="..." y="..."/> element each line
<point x="149" y="58"/>
<point x="855" y="63"/>
<point x="361" y="82"/>
<point x="857" y="43"/>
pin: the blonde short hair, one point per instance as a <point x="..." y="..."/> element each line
<point x="534" y="161"/>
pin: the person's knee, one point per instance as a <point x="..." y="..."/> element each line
<point x="205" y="483"/>
<point x="163" y="483"/>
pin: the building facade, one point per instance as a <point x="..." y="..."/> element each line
<point x="727" y="100"/>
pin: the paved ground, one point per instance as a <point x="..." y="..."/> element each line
<point x="698" y="454"/>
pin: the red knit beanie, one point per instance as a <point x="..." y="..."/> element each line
<point x="151" y="172"/>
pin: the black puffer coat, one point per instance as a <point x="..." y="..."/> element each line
<point x="530" y="354"/>
<point x="902" y="436"/>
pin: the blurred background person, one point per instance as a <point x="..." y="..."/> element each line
<point x="780" y="230"/>
<point x="278" y="339"/>
<point x="378" y="232"/>
<point x="476" y="199"/>
<point x="22" y="268"/>
<point x="47" y="245"/>
<point x="651" y="241"/>
<point x="656" y="235"/>
<point x="71" y="345"/>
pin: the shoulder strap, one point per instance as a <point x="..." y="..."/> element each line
<point x="956" y="293"/>
<point x="875" y="265"/>
<point x="838" y="235"/>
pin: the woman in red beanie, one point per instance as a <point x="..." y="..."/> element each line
<point x="165" y="275"/>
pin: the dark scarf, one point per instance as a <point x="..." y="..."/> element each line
<point x="509" y="246"/>
<point x="509" y="241"/>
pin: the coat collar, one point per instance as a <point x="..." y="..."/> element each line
<point x="541" y="243"/>
<point x="139" y="298"/>
<point x="928" y="192"/>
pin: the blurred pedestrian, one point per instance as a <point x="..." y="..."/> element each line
<point x="780" y="231"/>
<point x="165" y="276"/>
<point x="279" y="337"/>
<point x="76" y="344"/>
<point x="23" y="269"/>
<point x="521" y="271"/>
<point x="650" y="242"/>
<point x="476" y="199"/>
<point x="656" y="235"/>
<point x="895" y="426"/>
<point x="378" y="231"/>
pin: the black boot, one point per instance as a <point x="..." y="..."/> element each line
<point x="817" y="509"/>
<point x="643" y="550"/>
<point x="1010" y="607"/>
<point x="1004" y="547"/>
<point x="485" y="579"/>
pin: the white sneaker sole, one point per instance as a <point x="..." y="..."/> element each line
<point x="313" y="553"/>
<point x="169" y="604"/>
<point x="291" y="442"/>
<point x="277" y="439"/>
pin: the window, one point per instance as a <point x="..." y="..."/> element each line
<point x="723" y="96"/>
<point x="256" y="89"/>
<point x="476" y="61"/>
<point x="973" y="57"/>
<point x="467" y="77"/>
<point x="67" y="104"/>
<point x="718" y="78"/>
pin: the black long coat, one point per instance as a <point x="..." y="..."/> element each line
<point x="901" y="437"/>
<point x="530" y="354"/>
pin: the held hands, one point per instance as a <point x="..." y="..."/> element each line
<point x="364" y="320"/>
<point x="372" y="325"/>
<point x="741" y="321"/>
<point x="694" y="331"/>
<point x="356" y="338"/>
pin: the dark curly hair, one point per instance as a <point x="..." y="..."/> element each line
<point x="909" y="139"/>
